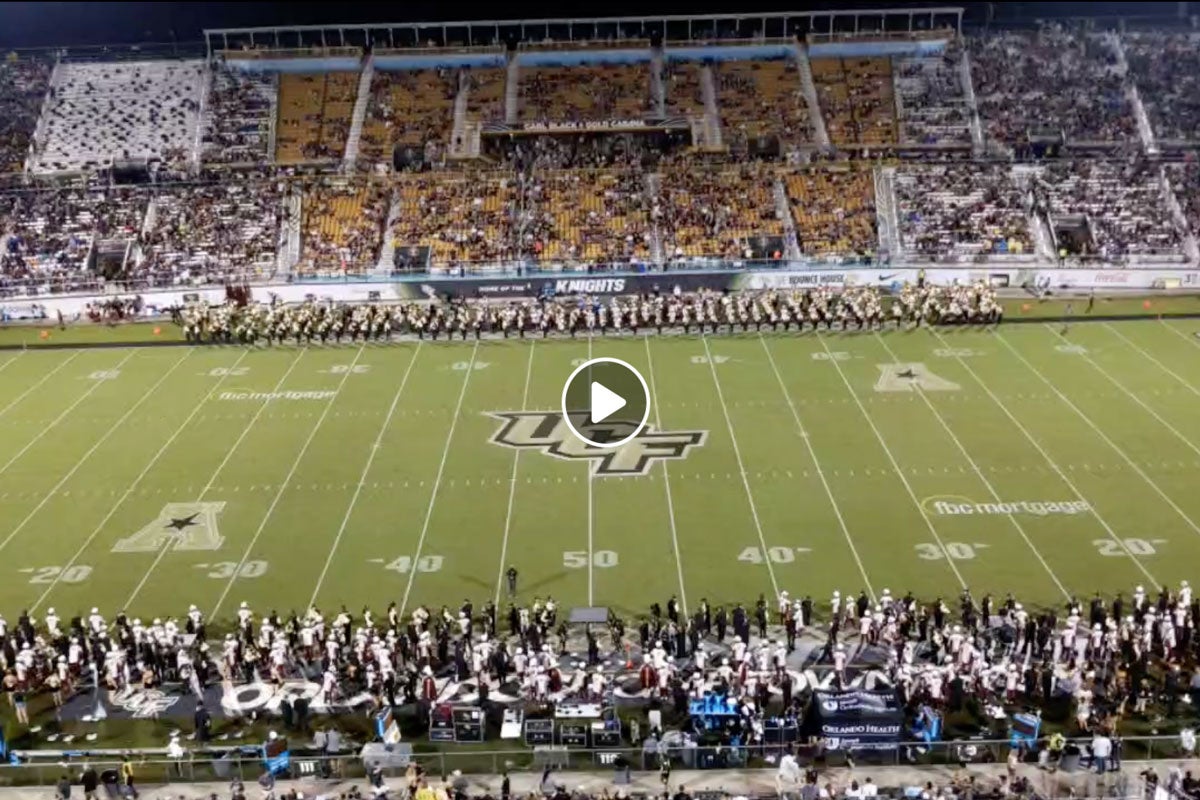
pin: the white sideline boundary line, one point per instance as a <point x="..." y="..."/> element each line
<point x="362" y="479"/>
<point x="802" y="433"/>
<point x="512" y="481"/>
<point x="96" y="446"/>
<point x="895" y="464"/>
<point x="1175" y="432"/>
<point x="128" y="491"/>
<point x="667" y="482"/>
<point x="1152" y="359"/>
<point x="737" y="452"/>
<point x="975" y="466"/>
<point x="437" y="482"/>
<point x="1053" y="465"/>
<point x="1104" y="436"/>
<point x="287" y="479"/>
<point x="40" y="381"/>
<point x="47" y="428"/>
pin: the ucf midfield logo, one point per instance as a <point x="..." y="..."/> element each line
<point x="548" y="432"/>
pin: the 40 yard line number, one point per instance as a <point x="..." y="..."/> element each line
<point x="778" y="554"/>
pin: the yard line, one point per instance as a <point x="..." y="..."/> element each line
<point x="43" y="379"/>
<point x="512" y="483"/>
<point x="109" y="432"/>
<point x="363" y="477"/>
<point x="437" y="481"/>
<point x="762" y="541"/>
<point x="803" y="434"/>
<point x="4" y="366"/>
<point x="46" y="429"/>
<point x="1151" y="358"/>
<point x="1100" y="432"/>
<point x="1053" y="465"/>
<point x="288" y="478"/>
<point x="667" y="481"/>
<point x="1193" y="339"/>
<point x="991" y="489"/>
<point x="591" y="522"/>
<point x="1132" y="396"/>
<point x="895" y="465"/>
<point x="145" y="471"/>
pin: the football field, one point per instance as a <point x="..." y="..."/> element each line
<point x="1018" y="460"/>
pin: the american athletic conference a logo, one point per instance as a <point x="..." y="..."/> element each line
<point x="548" y="431"/>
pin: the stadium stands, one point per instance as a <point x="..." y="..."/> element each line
<point x="833" y="210"/>
<point x="858" y="100"/>
<point x="1166" y="68"/>
<point x="314" y="116"/>
<point x="408" y="108"/>
<point x="586" y="93"/>
<point x="239" y="116"/>
<point x="462" y="218"/>
<point x="681" y="85"/>
<point x="23" y="84"/>
<point x="963" y="211"/>
<point x="931" y="100"/>
<point x="762" y="98"/>
<point x="485" y="93"/>
<point x="1052" y="82"/>
<point x="198" y="231"/>
<point x="713" y="213"/>
<point x="342" y="224"/>
<point x="99" y="112"/>
<point x="589" y="215"/>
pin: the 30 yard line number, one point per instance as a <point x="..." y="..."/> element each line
<point x="959" y="551"/>
<point x="226" y="570"/>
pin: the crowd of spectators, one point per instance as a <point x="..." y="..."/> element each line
<point x="931" y="99"/>
<point x="762" y="98"/>
<point x="342" y="223"/>
<point x="1166" y="69"/>
<point x="714" y="213"/>
<point x="23" y="84"/>
<point x="314" y="116"/>
<point x="238" y="116"/>
<point x="682" y="87"/>
<point x="201" y="230"/>
<point x="833" y="210"/>
<point x="1124" y="203"/>
<point x="963" y="211"/>
<point x="485" y="93"/>
<point x="460" y="217"/>
<point x="858" y="100"/>
<point x="1053" y="81"/>
<point x="98" y="113"/>
<point x="586" y="215"/>
<point x="410" y="108"/>
<point x="584" y="94"/>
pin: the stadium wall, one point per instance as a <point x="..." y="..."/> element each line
<point x="501" y="286"/>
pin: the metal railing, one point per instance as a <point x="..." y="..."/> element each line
<point x="245" y="763"/>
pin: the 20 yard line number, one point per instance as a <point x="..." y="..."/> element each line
<point x="1128" y="547"/>
<point x="77" y="573"/>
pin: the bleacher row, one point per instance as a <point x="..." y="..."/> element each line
<point x="192" y="234"/>
<point x="1053" y="81"/>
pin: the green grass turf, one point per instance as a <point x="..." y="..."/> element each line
<point x="86" y="461"/>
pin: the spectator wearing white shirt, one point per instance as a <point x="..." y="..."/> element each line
<point x="1101" y="751"/>
<point x="789" y="773"/>
<point x="869" y="789"/>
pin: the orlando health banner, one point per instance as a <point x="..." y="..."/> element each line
<point x="855" y="719"/>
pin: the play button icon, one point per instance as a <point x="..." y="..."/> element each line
<point x="605" y="402"/>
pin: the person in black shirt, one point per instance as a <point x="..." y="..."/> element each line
<point x="511" y="575"/>
<point x="505" y="787"/>
<point x="90" y="781"/>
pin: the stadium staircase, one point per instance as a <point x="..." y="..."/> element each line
<point x="274" y="118"/>
<point x="887" y="217"/>
<point x="289" y="232"/>
<point x="1145" y="130"/>
<point x="354" y="139"/>
<point x="465" y="137"/>
<point x="39" y="130"/>
<point x="653" y="191"/>
<point x="206" y="79"/>
<point x="657" y="90"/>
<point x="712" y="118"/>
<point x="809" y="87"/>
<point x="387" y="253"/>
<point x="783" y="210"/>
<point x="1190" y="247"/>
<point x="964" y="75"/>
<point x="1043" y="237"/>
<point x="512" y="88"/>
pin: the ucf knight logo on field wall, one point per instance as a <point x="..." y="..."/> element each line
<point x="548" y="432"/>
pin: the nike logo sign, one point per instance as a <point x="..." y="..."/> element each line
<point x="888" y="276"/>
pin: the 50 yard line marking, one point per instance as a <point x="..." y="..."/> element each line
<point x="667" y="481"/>
<point x="437" y="482"/>
<point x="128" y="491"/>
<point x="803" y="434"/>
<point x="1037" y="445"/>
<point x="895" y="465"/>
<point x="762" y="541"/>
<point x="291" y="472"/>
<point x="363" y="477"/>
<point x="512" y="482"/>
<point x="974" y="466"/>
<point x="79" y="463"/>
